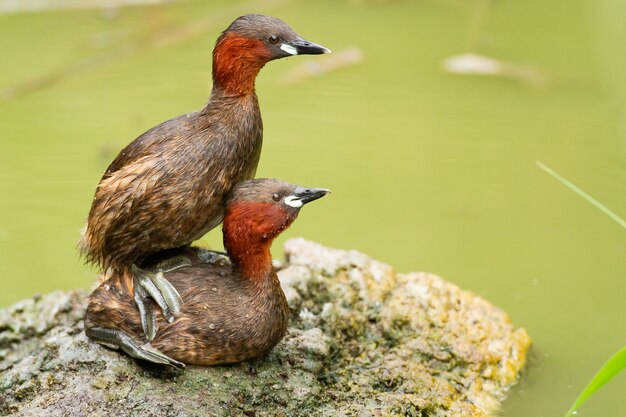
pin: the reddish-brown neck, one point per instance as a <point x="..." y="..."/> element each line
<point x="249" y="229"/>
<point x="236" y="62"/>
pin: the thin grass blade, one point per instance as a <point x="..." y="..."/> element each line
<point x="617" y="362"/>
<point x="612" y="367"/>
<point x="582" y="193"/>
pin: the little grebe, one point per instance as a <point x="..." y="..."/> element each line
<point x="233" y="311"/>
<point x="168" y="187"/>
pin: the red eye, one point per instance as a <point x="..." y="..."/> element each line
<point x="273" y="39"/>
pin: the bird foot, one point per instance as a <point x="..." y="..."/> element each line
<point x="213" y="257"/>
<point x="150" y="283"/>
<point x="173" y="263"/>
<point x="117" y="339"/>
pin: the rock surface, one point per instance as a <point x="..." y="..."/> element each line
<point x="363" y="341"/>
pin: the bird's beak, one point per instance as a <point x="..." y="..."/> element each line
<point x="303" y="195"/>
<point x="300" y="46"/>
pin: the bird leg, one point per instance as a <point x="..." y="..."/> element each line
<point x="117" y="339"/>
<point x="150" y="283"/>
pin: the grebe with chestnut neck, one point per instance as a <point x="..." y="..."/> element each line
<point x="168" y="187"/>
<point x="233" y="311"/>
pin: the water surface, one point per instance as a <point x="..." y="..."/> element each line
<point x="429" y="171"/>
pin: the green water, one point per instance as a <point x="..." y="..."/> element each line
<point x="429" y="171"/>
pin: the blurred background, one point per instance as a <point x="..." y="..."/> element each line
<point x="427" y="122"/>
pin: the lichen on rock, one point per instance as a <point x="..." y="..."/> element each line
<point x="363" y="341"/>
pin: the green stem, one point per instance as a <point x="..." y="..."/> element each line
<point x="583" y="194"/>
<point x="611" y="368"/>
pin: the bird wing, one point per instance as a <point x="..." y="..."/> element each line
<point x="150" y="142"/>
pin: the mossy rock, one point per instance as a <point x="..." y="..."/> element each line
<point x="363" y="341"/>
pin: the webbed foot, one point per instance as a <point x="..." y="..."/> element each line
<point x="152" y="283"/>
<point x="117" y="339"/>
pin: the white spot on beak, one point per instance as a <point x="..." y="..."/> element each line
<point x="289" y="49"/>
<point x="293" y="201"/>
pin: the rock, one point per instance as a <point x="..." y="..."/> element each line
<point x="363" y="341"/>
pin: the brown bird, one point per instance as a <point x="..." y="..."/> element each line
<point x="232" y="311"/>
<point x="167" y="188"/>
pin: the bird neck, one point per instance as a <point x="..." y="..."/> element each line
<point x="249" y="229"/>
<point x="254" y="263"/>
<point x="237" y="61"/>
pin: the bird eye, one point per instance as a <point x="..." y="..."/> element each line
<point x="276" y="197"/>
<point x="273" y="39"/>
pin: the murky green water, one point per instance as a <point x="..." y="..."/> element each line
<point x="429" y="171"/>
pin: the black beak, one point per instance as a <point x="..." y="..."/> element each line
<point x="303" y="47"/>
<point x="306" y="195"/>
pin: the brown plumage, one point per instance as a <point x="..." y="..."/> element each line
<point x="232" y="312"/>
<point x="167" y="188"/>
